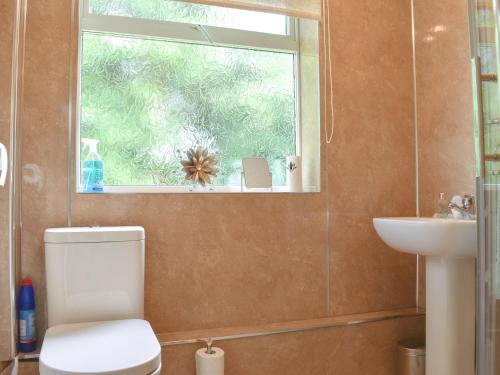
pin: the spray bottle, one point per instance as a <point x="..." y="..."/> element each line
<point x="93" y="168"/>
<point x="27" y="329"/>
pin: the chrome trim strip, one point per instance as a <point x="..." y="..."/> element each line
<point x="481" y="283"/>
<point x="71" y="108"/>
<point x="13" y="116"/>
<point x="415" y="125"/>
<point x="15" y="367"/>
<point x="14" y="209"/>
<point x="290" y="330"/>
<point x="415" y="102"/>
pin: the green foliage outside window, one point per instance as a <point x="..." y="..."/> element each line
<point x="148" y="101"/>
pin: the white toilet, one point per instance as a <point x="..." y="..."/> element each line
<point x="95" y="298"/>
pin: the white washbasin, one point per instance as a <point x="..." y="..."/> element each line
<point x="429" y="236"/>
<point x="450" y="248"/>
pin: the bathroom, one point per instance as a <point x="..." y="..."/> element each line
<point x="284" y="281"/>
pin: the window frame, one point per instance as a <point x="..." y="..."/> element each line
<point x="141" y="28"/>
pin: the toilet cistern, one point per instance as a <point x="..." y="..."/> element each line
<point x="95" y="315"/>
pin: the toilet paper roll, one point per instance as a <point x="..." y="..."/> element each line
<point x="294" y="173"/>
<point x="209" y="364"/>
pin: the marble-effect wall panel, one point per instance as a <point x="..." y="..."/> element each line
<point x="44" y="122"/>
<point x="221" y="260"/>
<point x="28" y="368"/>
<point x="372" y="156"/>
<point x="5" y="368"/>
<point x="368" y="349"/>
<point x="444" y="102"/>
<point x="444" y="105"/>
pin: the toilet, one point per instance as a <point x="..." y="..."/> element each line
<point x="95" y="301"/>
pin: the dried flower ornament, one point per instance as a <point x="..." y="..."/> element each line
<point x="200" y="166"/>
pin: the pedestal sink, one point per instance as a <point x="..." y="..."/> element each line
<point x="450" y="249"/>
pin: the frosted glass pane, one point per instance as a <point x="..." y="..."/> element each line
<point x="178" y="11"/>
<point x="148" y="100"/>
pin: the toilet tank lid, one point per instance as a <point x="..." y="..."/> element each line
<point x="93" y="234"/>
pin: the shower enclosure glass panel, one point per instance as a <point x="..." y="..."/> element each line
<point x="11" y="30"/>
<point x="484" y="41"/>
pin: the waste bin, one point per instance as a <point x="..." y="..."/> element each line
<point x="411" y="358"/>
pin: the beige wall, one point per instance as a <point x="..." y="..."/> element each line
<point x="444" y="105"/>
<point x="371" y="160"/>
<point x="5" y="368"/>
<point x="266" y="256"/>
<point x="263" y="254"/>
<point x="44" y="122"/>
<point x="369" y="349"/>
<point x="444" y="101"/>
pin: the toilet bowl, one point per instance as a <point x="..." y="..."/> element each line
<point x="124" y="347"/>
<point x="95" y="300"/>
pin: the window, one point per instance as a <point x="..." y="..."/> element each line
<point x="158" y="77"/>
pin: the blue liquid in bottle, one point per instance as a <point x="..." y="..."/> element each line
<point x="27" y="328"/>
<point x="92" y="168"/>
<point x="93" y="176"/>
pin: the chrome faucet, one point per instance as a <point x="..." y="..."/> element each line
<point x="468" y="207"/>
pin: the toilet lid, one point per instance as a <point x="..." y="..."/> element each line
<point x="119" y="347"/>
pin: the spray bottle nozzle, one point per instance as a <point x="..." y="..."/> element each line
<point x="91" y="144"/>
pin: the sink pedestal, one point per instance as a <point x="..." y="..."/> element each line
<point x="450" y="316"/>
<point x="450" y="248"/>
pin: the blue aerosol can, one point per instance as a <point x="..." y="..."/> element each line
<point x="27" y="327"/>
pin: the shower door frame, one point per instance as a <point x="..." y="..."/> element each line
<point x="13" y="177"/>
<point x="487" y="213"/>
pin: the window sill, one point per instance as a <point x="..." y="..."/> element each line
<point x="123" y="189"/>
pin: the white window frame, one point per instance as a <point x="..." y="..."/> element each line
<point x="185" y="32"/>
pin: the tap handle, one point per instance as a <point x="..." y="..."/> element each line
<point x="469" y="202"/>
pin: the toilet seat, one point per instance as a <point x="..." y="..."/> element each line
<point x="119" y="347"/>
